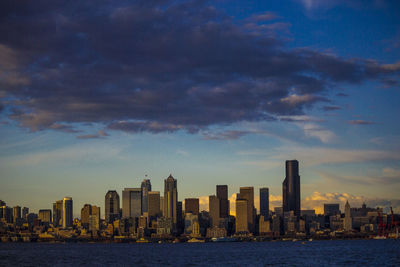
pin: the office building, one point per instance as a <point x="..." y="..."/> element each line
<point x="248" y="194"/>
<point x="86" y="211"/>
<point x="67" y="212"/>
<point x="264" y="202"/>
<point x="45" y="216"/>
<point x="16" y="213"/>
<point x="214" y="209"/>
<point x="131" y="202"/>
<point x="242" y="224"/>
<point x="331" y="209"/>
<point x="25" y="211"/>
<point x="170" y="199"/>
<point x="94" y="219"/>
<point x="57" y="213"/>
<point x="146" y="188"/>
<point x="111" y="206"/>
<point x="222" y="195"/>
<point x="291" y="188"/>
<point x="154" y="204"/>
<point x="192" y="206"/>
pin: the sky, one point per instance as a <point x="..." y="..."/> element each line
<point x="95" y="95"/>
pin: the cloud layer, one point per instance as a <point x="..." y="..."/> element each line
<point x="157" y="66"/>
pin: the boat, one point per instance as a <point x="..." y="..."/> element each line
<point x="142" y="240"/>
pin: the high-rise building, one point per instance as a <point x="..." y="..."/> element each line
<point x="131" y="202"/>
<point x="222" y="195"/>
<point x="291" y="188"/>
<point x="154" y="204"/>
<point x="86" y="211"/>
<point x="264" y="202"/>
<point x="170" y="199"/>
<point x="16" y="213"/>
<point x="2" y="203"/>
<point x="348" y="223"/>
<point x="192" y="206"/>
<point x="67" y="216"/>
<point x="162" y="205"/>
<point x="248" y="194"/>
<point x="214" y="210"/>
<point x="94" y="219"/>
<point x="45" y="216"/>
<point x="111" y="206"/>
<point x="146" y="188"/>
<point x="242" y="224"/>
<point x="331" y="209"/>
<point x="57" y="213"/>
<point x="25" y="211"/>
<point x="7" y="213"/>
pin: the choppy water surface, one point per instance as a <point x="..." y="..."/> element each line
<point x="316" y="253"/>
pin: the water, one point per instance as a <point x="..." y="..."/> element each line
<point x="316" y="253"/>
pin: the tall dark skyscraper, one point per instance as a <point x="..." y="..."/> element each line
<point x="146" y="188"/>
<point x="111" y="206"/>
<point x="57" y="213"/>
<point x="222" y="195"/>
<point x="170" y="199"/>
<point x="264" y="202"/>
<point x="291" y="188"/>
<point x="67" y="215"/>
<point x="248" y="194"/>
<point x="192" y="205"/>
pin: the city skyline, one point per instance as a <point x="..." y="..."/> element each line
<point x="98" y="96"/>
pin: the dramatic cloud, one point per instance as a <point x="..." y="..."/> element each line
<point x="99" y="134"/>
<point x="158" y="66"/>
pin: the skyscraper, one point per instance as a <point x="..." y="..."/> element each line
<point x="248" y="194"/>
<point x="67" y="212"/>
<point x="86" y="211"/>
<point x="131" y="202"/>
<point x="348" y="223"/>
<point x="242" y="224"/>
<point x="57" y="213"/>
<point x="264" y="202"/>
<point x="192" y="206"/>
<point x="153" y="204"/>
<point x="16" y="213"/>
<point x="291" y="188"/>
<point x="146" y="188"/>
<point x="222" y="195"/>
<point x="214" y="210"/>
<point x="111" y="206"/>
<point x="331" y="209"/>
<point x="170" y="199"/>
<point x="94" y="219"/>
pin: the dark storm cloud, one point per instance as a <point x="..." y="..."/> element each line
<point x="157" y="66"/>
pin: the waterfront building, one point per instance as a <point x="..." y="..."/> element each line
<point x="16" y="213"/>
<point x="192" y="205"/>
<point x="131" y="202"/>
<point x="222" y="195"/>
<point x="264" y="202"/>
<point x="242" y="224"/>
<point x="291" y="188"/>
<point x="248" y="194"/>
<point x="276" y="225"/>
<point x="264" y="225"/>
<point x="164" y="226"/>
<point x="331" y="209"/>
<point x="67" y="216"/>
<point x="170" y="199"/>
<point x="111" y="206"/>
<point x="57" y="213"/>
<point x="45" y="216"/>
<point x="146" y="188"/>
<point x="347" y="217"/>
<point x="190" y="219"/>
<point x="214" y="209"/>
<point x="161" y="204"/>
